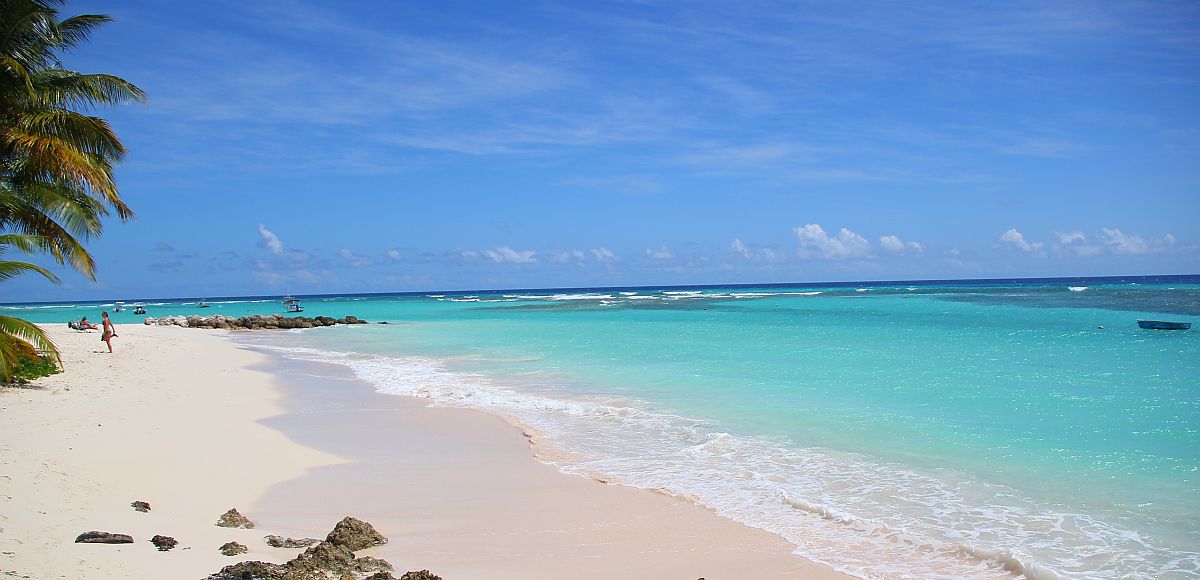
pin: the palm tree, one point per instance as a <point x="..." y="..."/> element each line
<point x="56" y="161"/>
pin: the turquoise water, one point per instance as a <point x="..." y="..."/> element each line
<point x="919" y="430"/>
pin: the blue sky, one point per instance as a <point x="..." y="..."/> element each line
<point x="327" y="147"/>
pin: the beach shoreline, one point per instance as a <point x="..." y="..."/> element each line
<point x="194" y="423"/>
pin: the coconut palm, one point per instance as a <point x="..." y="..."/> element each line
<point x="56" y="161"/>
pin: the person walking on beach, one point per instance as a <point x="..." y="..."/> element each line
<point x="109" y="332"/>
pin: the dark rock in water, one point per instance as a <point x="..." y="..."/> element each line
<point x="252" y="570"/>
<point x="233" y="519"/>
<point x="420" y="575"/>
<point x="355" y="535"/>
<point x="140" y="506"/>
<point x="95" y="537"/>
<point x="164" y="543"/>
<point x="233" y="549"/>
<point x="281" y="542"/>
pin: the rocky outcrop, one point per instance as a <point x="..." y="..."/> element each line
<point x="95" y="537"/>
<point x="164" y="543"/>
<point x="140" y="506"/>
<point x="282" y="542"/>
<point x="355" y="535"/>
<point x="332" y="559"/>
<point x="252" y="322"/>
<point x="234" y="519"/>
<point x="252" y="570"/>
<point x="420" y="575"/>
<point x="233" y="549"/>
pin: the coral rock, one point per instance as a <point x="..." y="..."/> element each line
<point x="95" y="537"/>
<point x="281" y="542"/>
<point x="355" y="535"/>
<point x="233" y="549"/>
<point x="420" y="575"/>
<point x="164" y="543"/>
<point x="251" y="570"/>
<point x="140" y="506"/>
<point x="233" y="519"/>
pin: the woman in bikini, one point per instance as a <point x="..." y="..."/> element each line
<point x="109" y="331"/>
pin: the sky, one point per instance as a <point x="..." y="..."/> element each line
<point x="327" y="147"/>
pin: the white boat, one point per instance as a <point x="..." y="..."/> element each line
<point x="139" y="308"/>
<point x="202" y="304"/>
<point x="292" y="304"/>
<point x="119" y="306"/>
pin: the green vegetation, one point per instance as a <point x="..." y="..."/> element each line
<point x="56" y="161"/>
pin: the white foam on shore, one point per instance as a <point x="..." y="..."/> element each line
<point x="864" y="518"/>
<point x="1077" y="288"/>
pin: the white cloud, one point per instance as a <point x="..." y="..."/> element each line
<point x="660" y="254"/>
<point x="394" y="254"/>
<point x="815" y="243"/>
<point x="1014" y="238"/>
<point x="895" y="245"/>
<point x="271" y="240"/>
<point x="756" y="254"/>
<point x="1070" y="237"/>
<point x="1121" y="243"/>
<point x="507" y="254"/>
<point x="356" y="261"/>
<point x="563" y="256"/>
<point x="469" y="254"/>
<point x="604" y="255"/>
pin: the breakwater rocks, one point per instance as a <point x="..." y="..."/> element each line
<point x="252" y="322"/>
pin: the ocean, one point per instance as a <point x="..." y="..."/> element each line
<point x="948" y="429"/>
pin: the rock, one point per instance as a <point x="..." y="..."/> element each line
<point x="367" y="565"/>
<point x="420" y="575"/>
<point x="281" y="542"/>
<point x="251" y="570"/>
<point x="321" y="560"/>
<point x="164" y="543"/>
<point x="95" y="537"/>
<point x="233" y="549"/>
<point x="355" y="535"/>
<point x="381" y="576"/>
<point x="140" y="506"/>
<point x="233" y="519"/>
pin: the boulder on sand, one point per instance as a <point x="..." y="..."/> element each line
<point x="234" y="519"/>
<point x="355" y="535"/>
<point x="96" y="537"/>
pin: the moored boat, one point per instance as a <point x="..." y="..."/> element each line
<point x="292" y="304"/>
<point x="1164" y="325"/>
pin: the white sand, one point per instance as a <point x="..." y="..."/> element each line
<point x="177" y="418"/>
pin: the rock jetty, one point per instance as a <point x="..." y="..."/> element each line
<point x="252" y="322"/>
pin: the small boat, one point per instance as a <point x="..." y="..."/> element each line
<point x="202" y="304"/>
<point x="119" y="307"/>
<point x="139" y="308"/>
<point x="292" y="304"/>
<point x="1164" y="325"/>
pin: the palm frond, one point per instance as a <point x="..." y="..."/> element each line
<point x="10" y="269"/>
<point x="13" y="331"/>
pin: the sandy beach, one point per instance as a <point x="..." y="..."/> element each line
<point x="194" y="424"/>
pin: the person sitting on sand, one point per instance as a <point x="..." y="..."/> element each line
<point x="109" y="331"/>
<point x="84" y="324"/>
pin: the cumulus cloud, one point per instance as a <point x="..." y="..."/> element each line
<point x="1121" y="243"/>
<point x="507" y="254"/>
<point x="604" y="255"/>
<point x="660" y="254"/>
<point x="815" y="243"/>
<point x="755" y="254"/>
<point x="1014" y="238"/>
<point x="1070" y="237"/>
<point x="271" y="240"/>
<point x="895" y="245"/>
<point x="394" y="255"/>
<point x="356" y="261"/>
<point x="564" y="256"/>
